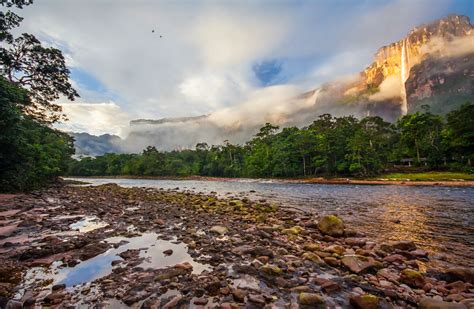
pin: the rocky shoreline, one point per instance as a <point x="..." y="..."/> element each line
<point x="115" y="247"/>
<point x="311" y="180"/>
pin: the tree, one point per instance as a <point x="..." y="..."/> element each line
<point x="420" y="136"/>
<point x="460" y="126"/>
<point x="31" y="77"/>
<point x="40" y="70"/>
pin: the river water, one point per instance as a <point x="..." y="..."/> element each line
<point x="439" y="219"/>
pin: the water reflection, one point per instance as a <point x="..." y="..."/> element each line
<point x="151" y="250"/>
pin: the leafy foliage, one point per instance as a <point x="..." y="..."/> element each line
<point x="31" y="154"/>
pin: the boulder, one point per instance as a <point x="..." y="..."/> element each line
<point x="332" y="226"/>
<point x="431" y="303"/>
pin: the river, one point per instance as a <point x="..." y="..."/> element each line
<point x="439" y="219"/>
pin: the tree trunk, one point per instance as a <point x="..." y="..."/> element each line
<point x="417" y="151"/>
<point x="304" y="166"/>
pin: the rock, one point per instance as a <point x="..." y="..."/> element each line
<point x="58" y="287"/>
<point x="367" y="301"/>
<point x="271" y="270"/>
<point x="218" y="229"/>
<point x="13" y="304"/>
<point x="360" y="264"/>
<point x="332" y="226"/>
<point x="311" y="247"/>
<point x="352" y="241"/>
<point x="168" y="252"/>
<point x="310" y="256"/>
<point x="247" y="282"/>
<point x="201" y="301"/>
<point x="169" y="273"/>
<point x="430" y="303"/>
<point x="301" y="289"/>
<point x="404" y="245"/>
<point x="173" y="302"/>
<point x="395" y="258"/>
<point x="412" y="278"/>
<point x="213" y="288"/>
<point x="295" y="230"/>
<point x="54" y="298"/>
<point x="339" y="250"/>
<point x="460" y="273"/>
<point x="239" y="295"/>
<point x="330" y="287"/>
<point x="310" y="299"/>
<point x="256" y="298"/>
<point x="332" y="261"/>
<point x="419" y="253"/>
<point x="255" y="251"/>
<point x="185" y="266"/>
<point x="468" y="302"/>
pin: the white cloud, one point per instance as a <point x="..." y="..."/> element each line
<point x="390" y="88"/>
<point x="95" y="118"/>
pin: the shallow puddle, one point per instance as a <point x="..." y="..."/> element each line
<point x="101" y="265"/>
<point x="88" y="224"/>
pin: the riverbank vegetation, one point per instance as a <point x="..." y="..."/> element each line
<point x="330" y="146"/>
<point x="430" y="176"/>
<point x="32" y="77"/>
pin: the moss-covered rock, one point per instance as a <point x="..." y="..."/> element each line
<point x="412" y="278"/>
<point x="295" y="230"/>
<point x="271" y="270"/>
<point x="367" y="301"/>
<point x="310" y="256"/>
<point x="310" y="299"/>
<point x="332" y="226"/>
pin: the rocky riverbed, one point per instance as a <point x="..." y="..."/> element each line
<point x="115" y="247"/>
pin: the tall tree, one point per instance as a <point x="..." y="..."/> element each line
<point x="42" y="71"/>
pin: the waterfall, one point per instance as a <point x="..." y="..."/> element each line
<point x="404" y="77"/>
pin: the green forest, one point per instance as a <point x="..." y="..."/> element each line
<point x="330" y="146"/>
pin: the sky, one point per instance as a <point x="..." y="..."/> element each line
<point x="154" y="59"/>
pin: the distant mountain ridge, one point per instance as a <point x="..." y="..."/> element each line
<point x="165" y="120"/>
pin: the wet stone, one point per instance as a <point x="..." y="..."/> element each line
<point x="256" y="298"/>
<point x="310" y="299"/>
<point x="366" y="301"/>
<point x="431" y="303"/>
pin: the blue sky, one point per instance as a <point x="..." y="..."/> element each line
<point x="213" y="54"/>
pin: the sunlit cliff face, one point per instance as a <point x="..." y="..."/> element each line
<point x="397" y="59"/>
